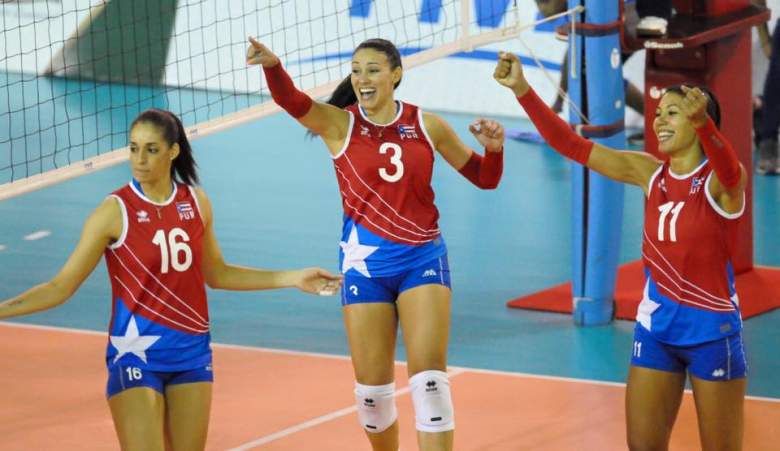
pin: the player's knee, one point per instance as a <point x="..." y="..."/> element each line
<point x="646" y="442"/>
<point x="376" y="406"/>
<point x="432" y="401"/>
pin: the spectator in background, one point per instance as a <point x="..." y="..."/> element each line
<point x="654" y="16"/>
<point x="767" y="119"/>
<point x="634" y="96"/>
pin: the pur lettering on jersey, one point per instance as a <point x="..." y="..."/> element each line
<point x="696" y="185"/>
<point x="407" y="131"/>
<point x="185" y="211"/>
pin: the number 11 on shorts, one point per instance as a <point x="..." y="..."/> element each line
<point x="637" y="349"/>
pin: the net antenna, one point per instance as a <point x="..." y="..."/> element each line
<point x="573" y="14"/>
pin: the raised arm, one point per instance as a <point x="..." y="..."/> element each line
<point x="219" y="274"/>
<point x="103" y="226"/>
<point x="484" y="172"/>
<point x="624" y="166"/>
<point x="327" y="121"/>
<point x="727" y="187"/>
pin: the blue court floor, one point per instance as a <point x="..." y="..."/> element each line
<point x="276" y="205"/>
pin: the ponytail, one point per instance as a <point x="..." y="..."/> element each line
<point x="343" y="96"/>
<point x="183" y="167"/>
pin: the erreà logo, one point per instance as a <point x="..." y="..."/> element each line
<point x="430" y="386"/>
<point x="143" y="216"/>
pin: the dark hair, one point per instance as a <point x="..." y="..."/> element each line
<point x="713" y="107"/>
<point x="344" y="95"/>
<point x="184" y="166"/>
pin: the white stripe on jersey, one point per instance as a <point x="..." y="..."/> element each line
<point x="203" y="320"/>
<point x="714" y="299"/>
<point x="714" y="305"/>
<point x="383" y="201"/>
<point x="429" y="235"/>
<point x="200" y="323"/>
<point x="688" y="301"/>
<point x="200" y="331"/>
<point x="381" y="228"/>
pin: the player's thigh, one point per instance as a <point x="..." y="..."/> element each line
<point x="720" y="410"/>
<point x="371" y="331"/>
<point x="139" y="418"/>
<point x="652" y="401"/>
<point x="718" y="370"/>
<point x="187" y="415"/>
<point x="424" y="313"/>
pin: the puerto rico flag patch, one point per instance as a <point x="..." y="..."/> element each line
<point x="185" y="211"/>
<point x="407" y="131"/>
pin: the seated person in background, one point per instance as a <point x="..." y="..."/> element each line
<point x="654" y="16"/>
<point x="634" y="96"/>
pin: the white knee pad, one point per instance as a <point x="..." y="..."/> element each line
<point x="376" y="406"/>
<point x="432" y="401"/>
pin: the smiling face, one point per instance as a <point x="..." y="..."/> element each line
<point x="373" y="79"/>
<point x="671" y="126"/>
<point x="151" y="156"/>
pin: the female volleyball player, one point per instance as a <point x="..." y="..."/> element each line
<point x="689" y="318"/>
<point x="158" y="239"/>
<point x="392" y="254"/>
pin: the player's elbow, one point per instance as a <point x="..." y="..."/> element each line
<point x="489" y="184"/>
<point x="214" y="276"/>
<point x="214" y="281"/>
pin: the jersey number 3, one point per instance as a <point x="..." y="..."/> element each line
<point x="178" y="253"/>
<point x="395" y="160"/>
<point x="674" y="208"/>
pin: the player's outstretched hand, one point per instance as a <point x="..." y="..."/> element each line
<point x="318" y="281"/>
<point x="489" y="133"/>
<point x="257" y="53"/>
<point x="694" y="105"/>
<point x="509" y="72"/>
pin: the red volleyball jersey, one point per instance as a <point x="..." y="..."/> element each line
<point x="688" y="240"/>
<point x="155" y="266"/>
<point x="384" y="175"/>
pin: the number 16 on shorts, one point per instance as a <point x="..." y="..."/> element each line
<point x="133" y="373"/>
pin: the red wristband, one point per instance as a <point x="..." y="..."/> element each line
<point x="484" y="172"/>
<point x="284" y="92"/>
<point x="722" y="156"/>
<point x="555" y="130"/>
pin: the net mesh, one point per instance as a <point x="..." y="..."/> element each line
<point x="75" y="73"/>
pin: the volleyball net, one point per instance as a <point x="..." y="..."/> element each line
<point x="75" y="73"/>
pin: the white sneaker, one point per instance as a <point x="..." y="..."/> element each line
<point x="651" y="26"/>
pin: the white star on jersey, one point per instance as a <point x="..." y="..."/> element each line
<point x="355" y="254"/>
<point x="132" y="343"/>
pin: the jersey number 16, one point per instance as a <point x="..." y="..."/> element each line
<point x="178" y="253"/>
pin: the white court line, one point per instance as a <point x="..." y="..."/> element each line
<point x="319" y="420"/>
<point x="452" y="369"/>
<point x="37" y="235"/>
